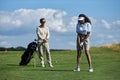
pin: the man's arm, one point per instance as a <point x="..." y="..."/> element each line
<point x="47" y="35"/>
<point x="38" y="33"/>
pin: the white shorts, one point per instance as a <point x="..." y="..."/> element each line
<point x="86" y="45"/>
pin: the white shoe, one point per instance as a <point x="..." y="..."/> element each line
<point x="90" y="70"/>
<point x="43" y="65"/>
<point x="77" y="69"/>
<point x="51" y="66"/>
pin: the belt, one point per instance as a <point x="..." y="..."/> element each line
<point x="83" y="35"/>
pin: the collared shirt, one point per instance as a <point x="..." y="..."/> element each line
<point x="43" y="33"/>
<point x="83" y="28"/>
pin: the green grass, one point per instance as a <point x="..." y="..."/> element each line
<point x="106" y="64"/>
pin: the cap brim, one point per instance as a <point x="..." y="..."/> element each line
<point x="81" y="18"/>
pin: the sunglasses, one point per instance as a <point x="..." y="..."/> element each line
<point x="43" y="20"/>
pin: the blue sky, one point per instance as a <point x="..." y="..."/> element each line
<point x="19" y="19"/>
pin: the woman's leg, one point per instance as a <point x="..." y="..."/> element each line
<point x="78" y="58"/>
<point x="78" y="54"/>
<point x="88" y="58"/>
<point x="87" y="52"/>
<point x="78" y="41"/>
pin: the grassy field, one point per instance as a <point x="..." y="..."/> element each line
<point x="106" y="64"/>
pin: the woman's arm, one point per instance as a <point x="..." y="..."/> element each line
<point x="86" y="36"/>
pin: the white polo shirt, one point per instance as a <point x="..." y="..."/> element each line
<point x="83" y="28"/>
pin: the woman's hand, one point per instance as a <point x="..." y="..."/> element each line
<point x="81" y="44"/>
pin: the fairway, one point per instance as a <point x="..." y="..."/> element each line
<point x="106" y="64"/>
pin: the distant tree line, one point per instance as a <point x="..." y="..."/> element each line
<point x="19" y="48"/>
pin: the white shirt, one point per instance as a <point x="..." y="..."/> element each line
<point x="83" y="28"/>
<point x="43" y="33"/>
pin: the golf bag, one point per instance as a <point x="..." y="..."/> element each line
<point x="28" y="54"/>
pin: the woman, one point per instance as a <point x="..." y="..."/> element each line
<point x="83" y="30"/>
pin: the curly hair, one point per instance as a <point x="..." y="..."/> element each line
<point x="86" y="18"/>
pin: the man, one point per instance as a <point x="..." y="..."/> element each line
<point x="43" y="36"/>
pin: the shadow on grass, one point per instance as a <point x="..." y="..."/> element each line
<point x="49" y="70"/>
<point x="32" y="68"/>
<point x="19" y="65"/>
<point x="54" y="70"/>
<point x="12" y="64"/>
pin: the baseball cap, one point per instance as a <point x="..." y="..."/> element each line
<point x="81" y="18"/>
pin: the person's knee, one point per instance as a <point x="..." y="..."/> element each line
<point x="87" y="52"/>
<point x="79" y="54"/>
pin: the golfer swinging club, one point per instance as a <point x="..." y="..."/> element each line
<point x="83" y="30"/>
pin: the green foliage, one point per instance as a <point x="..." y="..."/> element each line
<point x="106" y="64"/>
<point x="19" y="48"/>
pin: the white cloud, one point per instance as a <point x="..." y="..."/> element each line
<point x="29" y="18"/>
<point x="57" y="25"/>
<point x="9" y="21"/>
<point x="93" y="20"/>
<point x="62" y="27"/>
<point x="71" y="25"/>
<point x="3" y="37"/>
<point x="17" y="22"/>
<point x="5" y="43"/>
<point x="5" y="19"/>
<point x="106" y="24"/>
<point x="72" y="44"/>
<point x="110" y="36"/>
<point x="117" y="22"/>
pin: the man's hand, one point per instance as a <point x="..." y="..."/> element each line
<point x="45" y="40"/>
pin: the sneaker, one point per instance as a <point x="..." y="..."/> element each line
<point x="77" y="69"/>
<point x="51" y="66"/>
<point x="90" y="70"/>
<point x="43" y="65"/>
